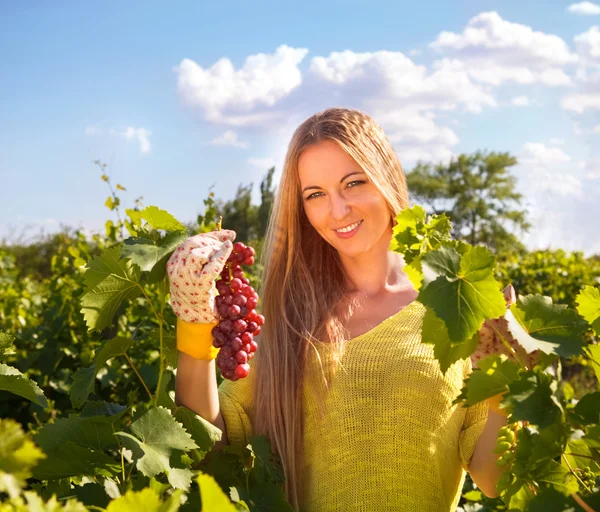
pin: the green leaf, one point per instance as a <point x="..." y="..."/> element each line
<point x="146" y="254"/>
<point x="13" y="381"/>
<point x="213" y="498"/>
<point x="531" y="398"/>
<point x="96" y="432"/>
<point x="156" y="436"/>
<point x="473" y="495"/>
<point x="110" y="281"/>
<point x="18" y="455"/>
<point x="161" y="219"/>
<point x="461" y="290"/>
<point x="83" y="379"/>
<point x="559" y="477"/>
<point x="493" y="376"/>
<point x="414" y="233"/>
<point x="76" y="460"/>
<point x="6" y="344"/>
<point x="36" y="504"/>
<point x="579" y="454"/>
<point x="266" y="466"/>
<point x="434" y="332"/>
<point x="204" y="434"/>
<point x="588" y="306"/>
<point x="146" y="500"/>
<point x="537" y="324"/>
<point x="588" y="408"/>
<point x="268" y="496"/>
<point x="593" y="352"/>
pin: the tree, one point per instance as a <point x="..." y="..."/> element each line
<point x="247" y="220"/>
<point x="478" y="193"/>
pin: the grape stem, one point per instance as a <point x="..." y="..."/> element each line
<point x="510" y="349"/>
<point x="576" y="496"/>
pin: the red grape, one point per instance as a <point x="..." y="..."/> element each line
<point x="239" y="323"/>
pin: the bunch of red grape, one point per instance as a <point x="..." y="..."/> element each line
<point x="236" y="304"/>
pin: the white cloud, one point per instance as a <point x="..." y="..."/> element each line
<point x="393" y="79"/>
<point x="546" y="169"/>
<point x="585" y="8"/>
<point x="140" y="135"/>
<point x="262" y="81"/>
<point x="520" y="101"/>
<point x="495" y="51"/>
<point x="588" y="46"/>
<point x="588" y="96"/>
<point x="560" y="197"/>
<point x="229" y="138"/>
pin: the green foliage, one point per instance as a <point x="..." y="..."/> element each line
<point x="478" y="194"/>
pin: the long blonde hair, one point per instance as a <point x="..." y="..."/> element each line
<point x="304" y="282"/>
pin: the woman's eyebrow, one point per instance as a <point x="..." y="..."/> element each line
<point x="347" y="176"/>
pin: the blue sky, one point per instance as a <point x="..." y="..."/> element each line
<point x="178" y="98"/>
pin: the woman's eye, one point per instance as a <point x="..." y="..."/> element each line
<point x="355" y="182"/>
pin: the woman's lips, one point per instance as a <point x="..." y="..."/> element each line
<point x="349" y="233"/>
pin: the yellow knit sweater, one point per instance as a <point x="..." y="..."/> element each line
<point x="390" y="438"/>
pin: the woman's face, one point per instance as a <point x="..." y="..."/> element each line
<point x="337" y="193"/>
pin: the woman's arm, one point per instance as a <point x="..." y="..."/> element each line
<point x="483" y="468"/>
<point x="196" y="388"/>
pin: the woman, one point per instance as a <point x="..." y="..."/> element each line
<point x="350" y="399"/>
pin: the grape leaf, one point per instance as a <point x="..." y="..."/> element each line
<point x="146" y="500"/>
<point x="96" y="432"/>
<point x="102" y="266"/>
<point x="434" y="332"/>
<point x="73" y="459"/>
<point x="531" y="398"/>
<point x="580" y="455"/>
<point x="146" y="254"/>
<point x="109" y="281"/>
<point x="36" y="504"/>
<point x="157" y="436"/>
<point x="461" y="289"/>
<point x="588" y="409"/>
<point x="559" y="477"/>
<point x="493" y="376"/>
<point x="537" y="324"/>
<point x="204" y="433"/>
<point x="266" y="467"/>
<point x="6" y="344"/>
<point x="13" y="381"/>
<point x="593" y="352"/>
<point x="588" y="306"/>
<point x="549" y="499"/>
<point x="18" y="455"/>
<point x="83" y="379"/>
<point x="161" y="219"/>
<point x="414" y="234"/>
<point x="213" y="498"/>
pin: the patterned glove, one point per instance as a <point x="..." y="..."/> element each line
<point x="490" y="342"/>
<point x="192" y="269"/>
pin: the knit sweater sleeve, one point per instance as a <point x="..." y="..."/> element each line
<point x="473" y="425"/>
<point x="235" y="401"/>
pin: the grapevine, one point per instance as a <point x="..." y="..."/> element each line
<point x="239" y="321"/>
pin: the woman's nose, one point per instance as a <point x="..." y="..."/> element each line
<point x="339" y="207"/>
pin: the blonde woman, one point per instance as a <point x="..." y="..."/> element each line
<point x="348" y="396"/>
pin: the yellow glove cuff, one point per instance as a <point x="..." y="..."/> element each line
<point x="196" y="340"/>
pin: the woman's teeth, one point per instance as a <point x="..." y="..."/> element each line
<point x="349" y="228"/>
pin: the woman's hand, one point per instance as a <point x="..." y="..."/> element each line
<point x="193" y="269"/>
<point x="492" y="332"/>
